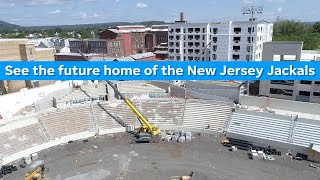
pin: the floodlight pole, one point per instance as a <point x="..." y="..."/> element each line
<point x="251" y="10"/>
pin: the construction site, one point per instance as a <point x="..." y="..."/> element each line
<point x="156" y="130"/>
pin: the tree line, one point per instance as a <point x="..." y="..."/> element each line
<point x="290" y="30"/>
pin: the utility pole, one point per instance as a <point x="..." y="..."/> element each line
<point x="251" y="10"/>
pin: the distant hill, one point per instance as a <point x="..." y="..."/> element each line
<point x="80" y="26"/>
<point x="5" y="25"/>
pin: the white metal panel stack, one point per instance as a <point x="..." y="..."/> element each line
<point x="260" y="127"/>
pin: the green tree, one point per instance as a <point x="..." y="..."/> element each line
<point x="316" y="27"/>
<point x="290" y="30"/>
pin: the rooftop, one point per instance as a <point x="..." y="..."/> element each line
<point x="284" y="42"/>
<point x="143" y="55"/>
<point x="284" y="113"/>
<point x="4" y="40"/>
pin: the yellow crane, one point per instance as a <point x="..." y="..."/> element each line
<point x="36" y="174"/>
<point x="146" y="127"/>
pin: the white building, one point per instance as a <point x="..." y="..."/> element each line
<point x="218" y="41"/>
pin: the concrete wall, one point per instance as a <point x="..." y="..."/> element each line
<point x="198" y="90"/>
<point x="12" y="103"/>
<point x="294" y="106"/>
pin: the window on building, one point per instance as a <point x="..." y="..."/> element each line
<point x="235" y="57"/>
<point x="177" y="44"/>
<point x="317" y="82"/>
<point x="178" y="57"/>
<point x="306" y="82"/>
<point x="171" y="37"/>
<point x="190" y="44"/>
<point x="190" y="51"/>
<point x="190" y="30"/>
<point x="197" y="30"/>
<point x="215" y="39"/>
<point x="177" y="50"/>
<point x="190" y="37"/>
<point x="197" y="44"/>
<point x="197" y="37"/>
<point x="178" y="30"/>
<point x="197" y="51"/>
<point x="237" y="30"/>
<point x="304" y="93"/>
<point x="286" y="83"/>
<point x="247" y="57"/>
<point x="236" y="38"/>
<point x="214" y="48"/>
<point x="284" y="92"/>
<point x="249" y="41"/>
<point x="190" y="58"/>
<point x="203" y="30"/>
<point x="177" y="37"/>
<point x="214" y="56"/>
<point x="236" y="48"/>
<point x="316" y="94"/>
<point x="215" y="30"/>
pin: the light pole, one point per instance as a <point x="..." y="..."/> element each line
<point x="251" y="10"/>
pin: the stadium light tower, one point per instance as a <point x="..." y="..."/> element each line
<point x="251" y="10"/>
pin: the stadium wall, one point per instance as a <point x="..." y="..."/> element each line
<point x="286" y="105"/>
<point x="12" y="103"/>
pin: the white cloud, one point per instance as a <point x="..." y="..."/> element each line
<point x="277" y="1"/>
<point x="116" y="1"/>
<point x="89" y="1"/>
<point x="95" y="15"/>
<point x="57" y="11"/>
<point x="141" y="5"/>
<point x="279" y="10"/>
<point x="83" y="15"/>
<point x="47" y="2"/>
<point x="247" y="1"/>
<point x="8" y="5"/>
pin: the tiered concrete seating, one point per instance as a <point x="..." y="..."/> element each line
<point x="306" y="133"/>
<point x="199" y="114"/>
<point x="19" y="139"/>
<point x="85" y="92"/>
<point x="158" y="112"/>
<point x="113" y="115"/>
<point x="165" y="112"/>
<point x="65" y="122"/>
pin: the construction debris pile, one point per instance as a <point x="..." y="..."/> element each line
<point x="178" y="136"/>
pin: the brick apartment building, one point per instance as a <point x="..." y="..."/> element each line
<point x="108" y="47"/>
<point x="20" y="50"/>
<point x="133" y="38"/>
<point x="156" y="36"/>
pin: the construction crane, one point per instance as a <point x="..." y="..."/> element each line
<point x="36" y="174"/>
<point x="147" y="132"/>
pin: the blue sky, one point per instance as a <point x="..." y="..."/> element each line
<point x="58" y="12"/>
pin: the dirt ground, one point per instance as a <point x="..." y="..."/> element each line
<point x="114" y="157"/>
